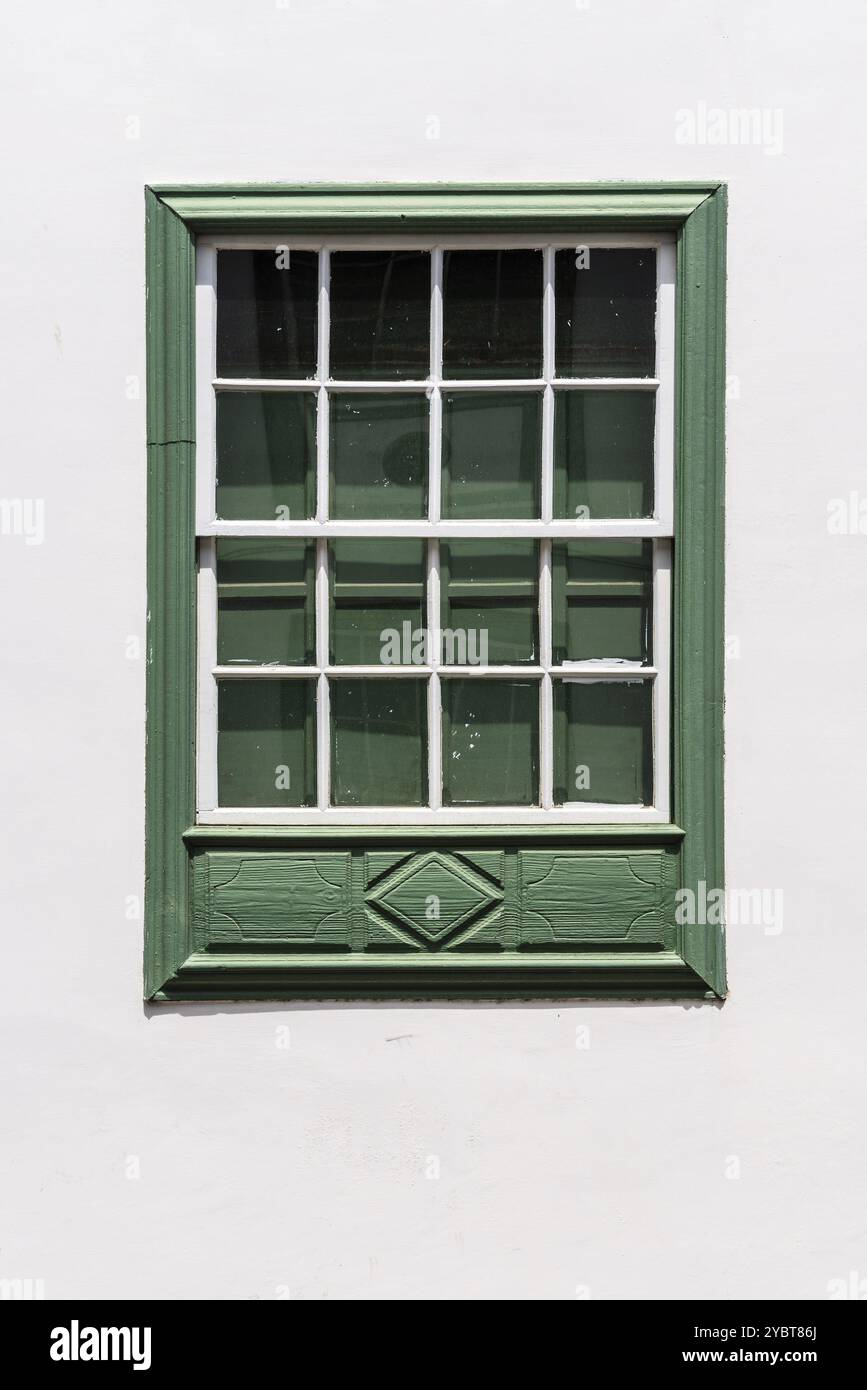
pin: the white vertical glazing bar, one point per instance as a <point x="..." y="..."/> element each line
<point x="666" y="269"/>
<point x="323" y="702"/>
<point x="664" y="484"/>
<point x="546" y="691"/>
<point x="546" y="688"/>
<point x="323" y="721"/>
<point x="662" y="682"/>
<point x="436" y="373"/>
<point x="206" y="732"/>
<point x="206" y="397"/>
<point x="548" y="374"/>
<point x="434" y="694"/>
<point x="434" y="690"/>
<point x="322" y="372"/>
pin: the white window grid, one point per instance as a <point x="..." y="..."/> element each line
<point x="659" y="528"/>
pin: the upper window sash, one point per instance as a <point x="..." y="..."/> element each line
<point x="662" y="384"/>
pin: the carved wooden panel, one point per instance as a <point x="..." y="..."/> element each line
<point x="410" y="901"/>
<point x="435" y="895"/>
<point x="578" y="895"/>
<point x="302" y="899"/>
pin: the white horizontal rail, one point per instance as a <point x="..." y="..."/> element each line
<point x="593" y="813"/>
<point x="569" y="383"/>
<point x="413" y="241"/>
<point x="589" y="671"/>
<point x="564" y="529"/>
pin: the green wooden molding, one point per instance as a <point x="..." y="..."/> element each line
<point x="171" y="634"/>
<point x="213" y="893"/>
<point x="663" y="975"/>
<point x="477" y="834"/>
<point x="699" y="632"/>
<point x="396" y="207"/>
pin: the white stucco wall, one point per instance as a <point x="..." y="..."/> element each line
<point x="607" y="1168"/>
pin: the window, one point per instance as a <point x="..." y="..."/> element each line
<point x="435" y="520"/>
<point x="429" y="728"/>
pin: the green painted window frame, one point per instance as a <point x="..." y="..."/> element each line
<point x="692" y="963"/>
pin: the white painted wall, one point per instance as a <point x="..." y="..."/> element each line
<point x="261" y="1168"/>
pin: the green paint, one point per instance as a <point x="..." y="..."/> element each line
<point x="513" y="953"/>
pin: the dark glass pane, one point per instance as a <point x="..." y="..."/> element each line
<point x="380" y="315"/>
<point x="491" y="454"/>
<point x="266" y="455"/>
<point x="492" y="314"/>
<point x="265" y="602"/>
<point x="490" y="602"/>
<point x="605" y="313"/>
<point x="377" y="602"/>
<point x="490" y="742"/>
<point x="266" y="744"/>
<point x="379" y="742"/>
<point x="603" y="742"/>
<point x="603" y="453"/>
<point x="602" y="600"/>
<point x="266" y="313"/>
<point x="379" y="456"/>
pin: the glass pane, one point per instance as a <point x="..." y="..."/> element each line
<point x="377" y="602"/>
<point x="602" y="742"/>
<point x="602" y="600"/>
<point x="491" y="454"/>
<point x="605" y="309"/>
<point x="265" y="602"/>
<point x="492" y="314"/>
<point x="379" y="456"/>
<point x="266" y="455"/>
<point x="490" y="742"/>
<point x="266" y="313"/>
<point x="379" y="742"/>
<point x="603" y="453"/>
<point x="490" y="602"/>
<point x="380" y="315"/>
<point x="266" y="745"/>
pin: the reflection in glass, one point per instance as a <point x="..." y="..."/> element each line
<point x="379" y="742"/>
<point x="602" y="600"/>
<point x="603" y="742"/>
<point x="491" y="454"/>
<point x="490" y="742"/>
<point x="379" y="455"/>
<point x="380" y="315"/>
<point x="377" y="602"/>
<point x="492" y="314"/>
<point x="490" y="602"/>
<point x="266" y="753"/>
<point x="265" y="602"/>
<point x="266" y="313"/>
<point x="604" y="315"/>
<point x="603" y="453"/>
<point x="266" y="455"/>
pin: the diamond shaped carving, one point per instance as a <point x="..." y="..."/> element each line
<point x="434" y="895"/>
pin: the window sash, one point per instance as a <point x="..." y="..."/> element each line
<point x="659" y="527"/>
